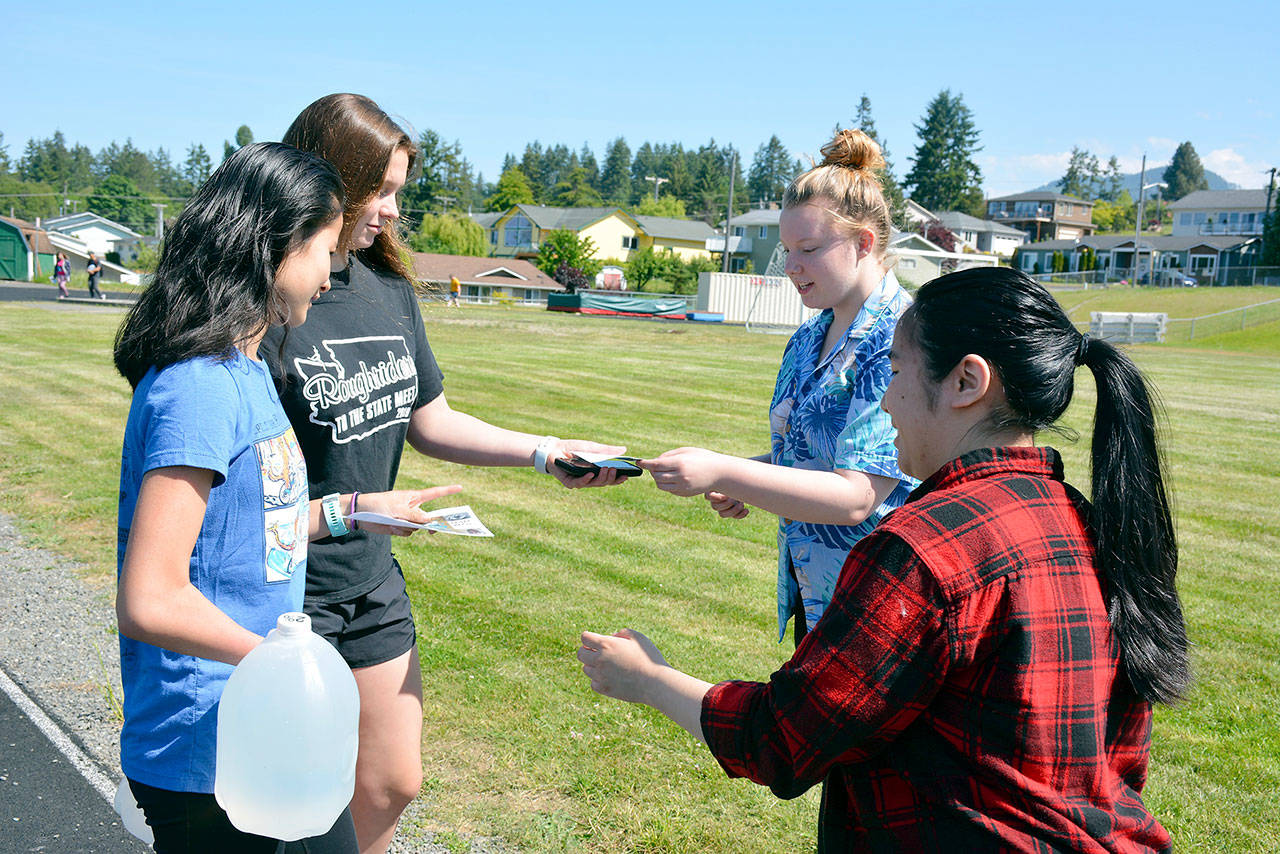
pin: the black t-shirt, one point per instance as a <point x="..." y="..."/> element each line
<point x="352" y="376"/>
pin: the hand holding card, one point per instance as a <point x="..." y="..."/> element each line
<point x="581" y="463"/>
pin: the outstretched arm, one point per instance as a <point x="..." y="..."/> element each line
<point x="627" y="666"/>
<point x="840" y="497"/>
<point x="440" y="431"/>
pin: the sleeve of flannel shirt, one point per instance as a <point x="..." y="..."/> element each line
<point x="859" y="678"/>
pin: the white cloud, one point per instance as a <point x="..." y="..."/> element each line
<point x="1233" y="166"/>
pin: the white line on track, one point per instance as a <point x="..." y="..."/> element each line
<point x="60" y="739"/>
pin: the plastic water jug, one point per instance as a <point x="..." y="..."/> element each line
<point x="131" y="815"/>
<point x="288" y="724"/>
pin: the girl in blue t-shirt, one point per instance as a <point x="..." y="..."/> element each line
<point x="214" y="514"/>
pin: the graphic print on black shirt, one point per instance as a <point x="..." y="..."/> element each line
<point x="358" y="386"/>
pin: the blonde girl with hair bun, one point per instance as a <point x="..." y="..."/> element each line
<point x="832" y="471"/>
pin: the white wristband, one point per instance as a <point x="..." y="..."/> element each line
<point x="540" y="454"/>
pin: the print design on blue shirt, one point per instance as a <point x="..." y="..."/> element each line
<point x="284" y="504"/>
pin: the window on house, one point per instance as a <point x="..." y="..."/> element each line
<point x="737" y="265"/>
<point x="764" y="232"/>
<point x="630" y="241"/>
<point x="519" y="231"/>
<point x="532" y="295"/>
<point x="907" y="263"/>
<point x="493" y="236"/>
<point x="1184" y="219"/>
<point x="739" y="231"/>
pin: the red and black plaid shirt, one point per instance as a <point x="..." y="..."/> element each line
<point x="962" y="692"/>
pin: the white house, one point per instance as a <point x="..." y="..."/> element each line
<point x="917" y="214"/>
<point x="919" y="260"/>
<point x="982" y="235"/>
<point x="1215" y="212"/>
<point x="98" y="233"/>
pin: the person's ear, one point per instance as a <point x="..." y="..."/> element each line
<point x="866" y="242"/>
<point x="969" y="381"/>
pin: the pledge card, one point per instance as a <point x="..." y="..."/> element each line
<point x="451" y="520"/>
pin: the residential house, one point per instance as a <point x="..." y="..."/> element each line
<point x="1220" y="212"/>
<point x="1209" y="260"/>
<point x="1043" y="215"/>
<point x="916" y="259"/>
<point x="484" y="278"/>
<point x="98" y="233"/>
<point x="752" y="238"/>
<point x="982" y="235"/>
<point x="28" y="251"/>
<point x="917" y="214"/>
<point x="519" y="231"/>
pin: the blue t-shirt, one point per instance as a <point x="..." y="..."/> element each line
<point x="826" y="416"/>
<point x="249" y="559"/>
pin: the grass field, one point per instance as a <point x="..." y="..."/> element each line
<point x="516" y="744"/>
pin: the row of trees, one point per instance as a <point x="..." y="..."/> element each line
<point x="123" y="182"/>
<point x="120" y="182"/>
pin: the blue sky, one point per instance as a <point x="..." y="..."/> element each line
<point x="1116" y="78"/>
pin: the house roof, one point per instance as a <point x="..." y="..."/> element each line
<point x="472" y="270"/>
<point x="1223" y="199"/>
<point x="1039" y="196"/>
<point x="486" y="220"/>
<point x="70" y="222"/>
<point x="767" y="216"/>
<point x="1158" y="242"/>
<point x="956" y="220"/>
<point x="674" y="229"/>
<point x="573" y="219"/>
<point x="37" y="238"/>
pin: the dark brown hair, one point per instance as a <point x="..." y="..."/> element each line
<point x="356" y="136"/>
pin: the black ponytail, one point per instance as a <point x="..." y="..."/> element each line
<point x="1010" y="320"/>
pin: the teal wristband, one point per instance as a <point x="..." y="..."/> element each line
<point x="331" y="510"/>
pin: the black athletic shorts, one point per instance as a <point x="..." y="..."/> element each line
<point x="371" y="628"/>
<point x="194" y="823"/>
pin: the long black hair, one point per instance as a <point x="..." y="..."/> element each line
<point x="215" y="283"/>
<point x="1009" y="319"/>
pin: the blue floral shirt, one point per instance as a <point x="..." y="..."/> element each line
<point x="826" y="416"/>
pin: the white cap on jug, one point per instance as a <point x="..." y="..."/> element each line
<point x="293" y="623"/>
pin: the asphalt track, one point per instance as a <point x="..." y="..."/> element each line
<point x="28" y="292"/>
<point x="47" y="800"/>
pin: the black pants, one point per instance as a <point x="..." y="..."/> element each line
<point x="94" y="292"/>
<point x="193" y="823"/>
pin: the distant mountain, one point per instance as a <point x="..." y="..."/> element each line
<point x="1154" y="174"/>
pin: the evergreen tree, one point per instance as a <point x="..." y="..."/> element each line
<point x="513" y="189"/>
<point x="1185" y="173"/>
<point x="893" y="194"/>
<point x="1271" y="240"/>
<point x="575" y="191"/>
<point x="1083" y="178"/>
<point x="117" y="198"/>
<point x="587" y="160"/>
<point x="244" y="136"/>
<point x="615" y="176"/>
<point x="771" y="172"/>
<point x="4" y="156"/>
<point x="647" y="163"/>
<point x="197" y="167"/>
<point x="944" y="175"/>
<point x="1112" y="181"/>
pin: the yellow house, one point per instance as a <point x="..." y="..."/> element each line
<point x="519" y="231"/>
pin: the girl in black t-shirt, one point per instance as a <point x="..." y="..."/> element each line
<point x="358" y="381"/>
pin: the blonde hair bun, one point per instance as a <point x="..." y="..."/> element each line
<point x="853" y="149"/>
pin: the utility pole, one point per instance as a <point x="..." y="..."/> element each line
<point x="446" y="200"/>
<point x="1137" y="226"/>
<point x="159" y="220"/>
<point x="657" y="182"/>
<point x="1266" y="218"/>
<point x="733" y="169"/>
